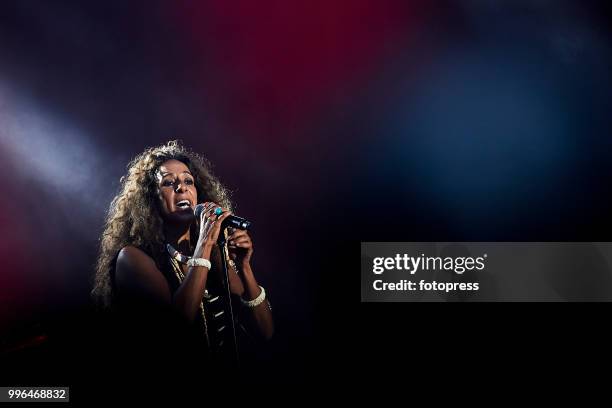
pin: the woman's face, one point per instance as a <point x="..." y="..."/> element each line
<point x="178" y="193"/>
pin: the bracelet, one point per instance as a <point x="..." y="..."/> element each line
<point x="199" y="262"/>
<point x="257" y="301"/>
<point x="187" y="260"/>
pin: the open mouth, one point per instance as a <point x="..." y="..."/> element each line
<point x="183" y="204"/>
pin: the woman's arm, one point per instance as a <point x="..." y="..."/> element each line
<point x="243" y="284"/>
<point x="138" y="277"/>
<point x="189" y="295"/>
<point x="137" y="274"/>
<point x="240" y="247"/>
<point x="260" y="315"/>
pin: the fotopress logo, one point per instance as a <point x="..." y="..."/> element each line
<point x="486" y="271"/>
<point x="411" y="264"/>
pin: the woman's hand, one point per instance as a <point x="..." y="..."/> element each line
<point x="240" y="247"/>
<point x="210" y="228"/>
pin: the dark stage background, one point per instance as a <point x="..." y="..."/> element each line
<point x="333" y="122"/>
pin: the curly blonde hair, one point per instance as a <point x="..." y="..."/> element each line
<point x="134" y="216"/>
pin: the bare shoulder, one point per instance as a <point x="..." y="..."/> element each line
<point x="130" y="257"/>
<point x="136" y="271"/>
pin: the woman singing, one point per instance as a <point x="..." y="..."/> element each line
<point x="163" y="268"/>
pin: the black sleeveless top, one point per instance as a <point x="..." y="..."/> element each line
<point x="210" y="338"/>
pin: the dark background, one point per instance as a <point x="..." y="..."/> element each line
<point x="332" y="123"/>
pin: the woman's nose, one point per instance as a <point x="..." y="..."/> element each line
<point x="179" y="187"/>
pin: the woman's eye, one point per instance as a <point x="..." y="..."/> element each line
<point x="167" y="183"/>
<point x="188" y="181"/>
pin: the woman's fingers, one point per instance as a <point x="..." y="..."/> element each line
<point x="237" y="234"/>
<point x="209" y="212"/>
<point x="205" y="212"/>
<point x="216" y="227"/>
<point x="210" y="226"/>
<point x="242" y="242"/>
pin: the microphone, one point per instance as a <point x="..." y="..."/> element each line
<point x="231" y="221"/>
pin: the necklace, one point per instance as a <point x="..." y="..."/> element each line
<point x="178" y="271"/>
<point x="176" y="255"/>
